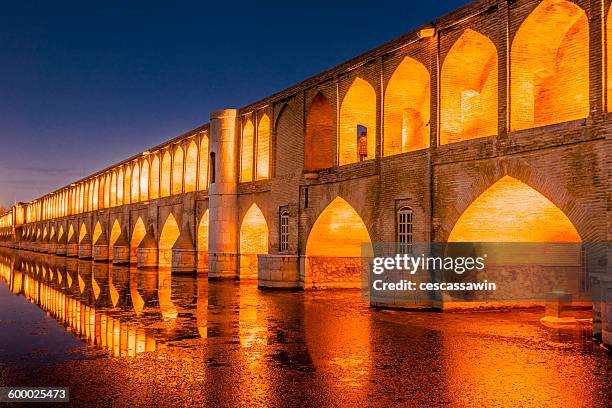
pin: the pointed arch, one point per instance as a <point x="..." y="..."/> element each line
<point x="120" y="187"/>
<point x="144" y="180"/>
<point x="468" y="95"/>
<point x="107" y="191"/>
<point x="344" y="263"/>
<point x="246" y="152"/>
<point x="319" y="137"/>
<point x="203" y="180"/>
<point x="135" y="195"/>
<point x="60" y="233"/>
<point x="263" y="147"/>
<point x="127" y="185"/>
<point x="169" y="234"/>
<point x="531" y="218"/>
<point x="191" y="167"/>
<point x="154" y="190"/>
<point x="166" y="170"/>
<point x="113" y="190"/>
<point x="177" y="171"/>
<point x="550" y="66"/>
<point x="202" y="242"/>
<point x="96" y="194"/>
<point x="70" y="232"/>
<point x="253" y="241"/>
<point x="358" y="111"/>
<point x="52" y="232"/>
<point x="96" y="233"/>
<point x="82" y="232"/>
<point x="114" y="235"/>
<point x="407" y="108"/>
<point x="138" y="235"/>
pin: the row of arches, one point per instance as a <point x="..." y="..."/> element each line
<point x="255" y="148"/>
<point x="549" y="77"/>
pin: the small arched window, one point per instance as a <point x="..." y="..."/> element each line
<point x="404" y="230"/>
<point x="284" y="232"/>
<point x="212" y="167"/>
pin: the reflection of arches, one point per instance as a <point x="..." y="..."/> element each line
<point x="154" y="190"/>
<point x="511" y="211"/>
<point x="137" y="236"/>
<point x="246" y="152"/>
<point x="253" y="241"/>
<point x="177" y="171"/>
<point x="97" y="232"/>
<point x="340" y="264"/>
<point x="166" y="169"/>
<point x="191" y="167"/>
<point x="202" y="242"/>
<point x="550" y="66"/>
<point x="468" y="94"/>
<point x="169" y="234"/>
<point x="358" y="109"/>
<point x="407" y="108"/>
<point x="319" y="137"/>
<point x="263" y="148"/>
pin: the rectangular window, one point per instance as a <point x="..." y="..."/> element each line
<point x="404" y="230"/>
<point x="284" y="232"/>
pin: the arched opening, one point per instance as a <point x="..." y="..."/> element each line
<point x="70" y="232"/>
<point x="135" y="182"/>
<point x="154" y="189"/>
<point x="407" y="106"/>
<point x="137" y="236"/>
<point x="263" y="148"/>
<point x="203" y="242"/>
<point x="468" y="95"/>
<point x="144" y="181"/>
<point x="246" y="152"/>
<point x="191" y="167"/>
<point x="344" y="263"/>
<point x="82" y="232"/>
<point x="107" y="191"/>
<point x="177" y="171"/>
<point x="166" y="170"/>
<point x="169" y="234"/>
<point x="113" y="190"/>
<point x="319" y="138"/>
<point x="97" y="232"/>
<point x="203" y="178"/>
<point x="550" y="66"/>
<point x="127" y="185"/>
<point x="60" y="233"/>
<point x="120" y="187"/>
<point x="358" y="112"/>
<point x="253" y="241"/>
<point x="114" y="235"/>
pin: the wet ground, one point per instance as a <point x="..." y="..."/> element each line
<point x="122" y="337"/>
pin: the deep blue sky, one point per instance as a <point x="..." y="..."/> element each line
<point x="84" y="85"/>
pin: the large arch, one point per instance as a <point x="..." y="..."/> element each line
<point x="319" y="137"/>
<point x="138" y="235"/>
<point x="343" y="263"/>
<point x="550" y="66"/>
<point x="468" y="94"/>
<point x="191" y="167"/>
<point x="263" y="148"/>
<point x="202" y="242"/>
<point x="246" y="152"/>
<point x="253" y="241"/>
<point x="358" y="109"/>
<point x="169" y="234"/>
<point x="407" y="107"/>
<point x="166" y="170"/>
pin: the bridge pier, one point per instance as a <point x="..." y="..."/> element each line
<point x="148" y="252"/>
<point x="183" y="252"/>
<point x="121" y="249"/>
<point x="85" y="250"/>
<point x="100" y="249"/>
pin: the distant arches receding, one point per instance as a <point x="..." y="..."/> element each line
<point x="203" y="180"/>
<point x="319" y="137"/>
<point x="177" y="171"/>
<point x="468" y="94"/>
<point x="407" y="107"/>
<point x="144" y="180"/>
<point x="154" y="191"/>
<point x="531" y="218"/>
<point x="97" y="232"/>
<point x="550" y="66"/>
<point x="135" y="183"/>
<point x="358" y="114"/>
<point x="169" y="234"/>
<point x="166" y="170"/>
<point x="138" y="235"/>
<point x="191" y="167"/>
<point x="246" y="152"/>
<point x="263" y="148"/>
<point x="253" y="241"/>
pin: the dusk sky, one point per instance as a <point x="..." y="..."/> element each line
<point x="83" y="86"/>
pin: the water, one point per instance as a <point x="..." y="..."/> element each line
<point x="117" y="335"/>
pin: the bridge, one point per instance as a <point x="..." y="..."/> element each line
<point x="492" y="124"/>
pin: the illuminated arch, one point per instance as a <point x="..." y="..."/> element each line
<point x="52" y="232"/>
<point x="203" y="180"/>
<point x="177" y="171"/>
<point x="246" y="152"/>
<point x="511" y="211"/>
<point x="135" y="195"/>
<point x="60" y="233"/>
<point x="340" y="264"/>
<point x="114" y="235"/>
<point x="113" y="190"/>
<point x="138" y="234"/>
<point x="44" y="235"/>
<point x="70" y="232"/>
<point x="358" y="109"/>
<point x="127" y="185"/>
<point x="263" y="148"/>
<point x="191" y="167"/>
<point x="169" y="234"/>
<point x="202" y="242"/>
<point x="407" y="101"/>
<point x="253" y="241"/>
<point x="120" y="187"/>
<point x="166" y="169"/>
<point x="550" y="66"/>
<point x="154" y="191"/>
<point x="96" y="194"/>
<point x="97" y="232"/>
<point x="107" y="191"/>
<point x="468" y="95"/>
<point x="319" y="137"/>
<point x="82" y="232"/>
<point x="144" y="180"/>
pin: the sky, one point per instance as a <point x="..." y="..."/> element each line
<point x="84" y="85"/>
